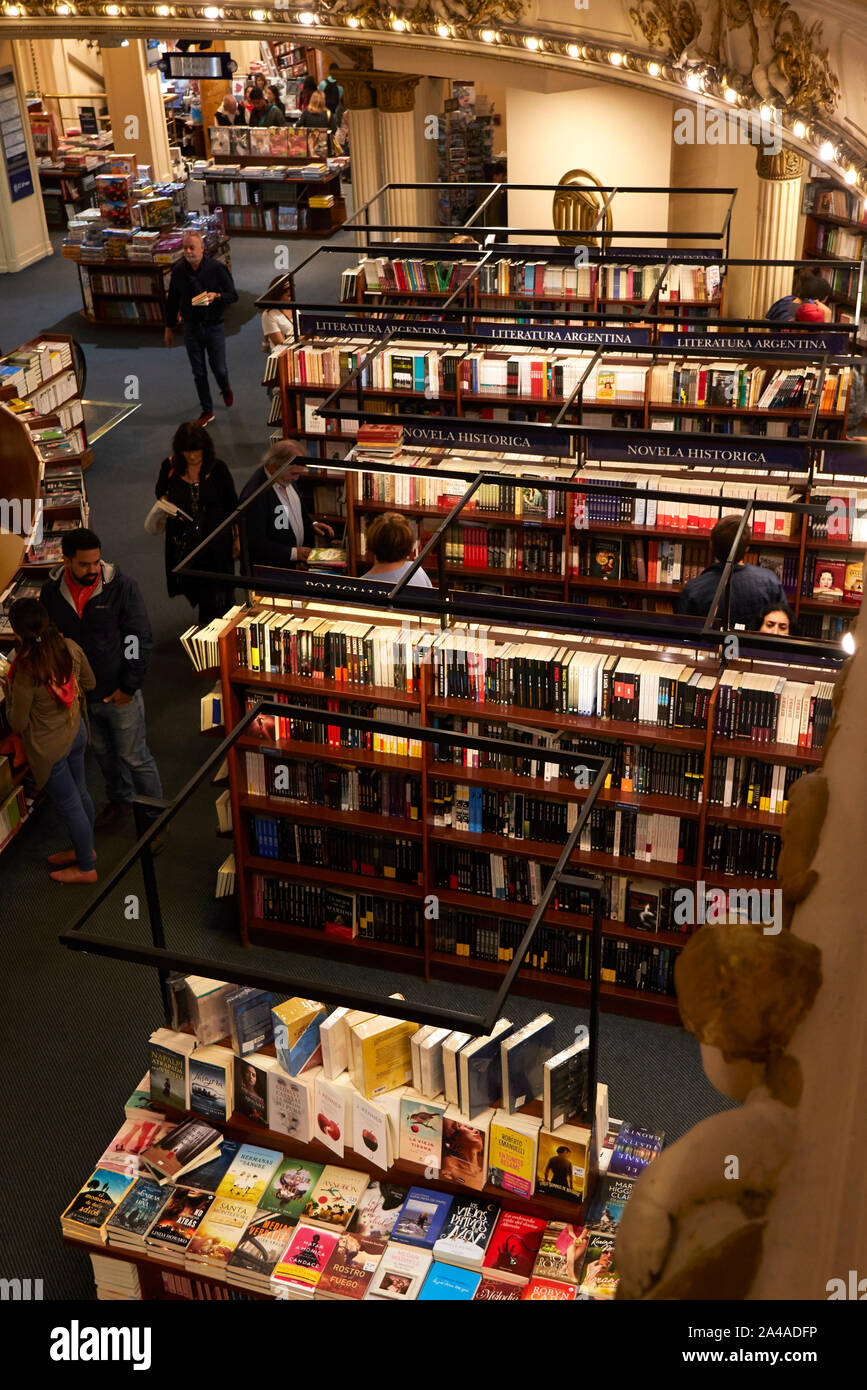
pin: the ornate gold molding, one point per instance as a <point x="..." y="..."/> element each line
<point x="395" y="91"/>
<point x="357" y="92"/>
<point x="575" y="210"/>
<point x="779" y="168"/>
<point x="477" y="12"/>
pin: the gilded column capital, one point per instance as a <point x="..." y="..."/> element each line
<point x="395" y="91"/>
<point x="357" y="92"/>
<point x="779" y="168"/>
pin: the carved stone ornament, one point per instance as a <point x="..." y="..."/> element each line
<point x="357" y="91"/>
<point x="763" y="47"/>
<point x="395" y="91"/>
<point x="457" y="12"/>
<point x="780" y="168"/>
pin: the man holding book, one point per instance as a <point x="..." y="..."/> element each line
<point x="753" y="588"/>
<point x="102" y="610"/>
<point x="199" y="290"/>
<point x="280" y="530"/>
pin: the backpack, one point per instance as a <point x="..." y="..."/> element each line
<point x="332" y="94"/>
<point x="783" y="310"/>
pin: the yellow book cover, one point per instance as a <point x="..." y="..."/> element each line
<point x="381" y="1055"/>
<point x="293" y="1017"/>
<point x="512" y="1155"/>
<point x="563" y="1163"/>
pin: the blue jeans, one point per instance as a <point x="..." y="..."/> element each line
<point x="210" y="339"/>
<point x="120" y="743"/>
<point x="67" y="788"/>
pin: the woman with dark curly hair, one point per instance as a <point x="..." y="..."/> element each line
<point x="200" y="485"/>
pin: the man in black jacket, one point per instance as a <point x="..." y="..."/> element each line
<point x="104" y="612"/>
<point x="264" y="112"/>
<point x="280" y="529"/>
<point x="199" y="289"/>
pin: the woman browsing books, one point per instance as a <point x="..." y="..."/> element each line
<point x="44" y="686"/>
<point x="199" y="486"/>
<point x="390" y="540"/>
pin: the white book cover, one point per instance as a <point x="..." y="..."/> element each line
<point x="334" y="1038"/>
<point x="290" y="1104"/>
<point x="332" y="1109"/>
<point x="371" y="1131"/>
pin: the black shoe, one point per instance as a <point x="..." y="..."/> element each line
<point x="112" y="815"/>
<point x="158" y="843"/>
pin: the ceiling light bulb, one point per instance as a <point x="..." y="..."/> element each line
<point x="693" y="82"/>
<point x="112" y="9"/>
<point x="848" y="643"/>
<point x="444" y="31"/>
<point x="573" y="50"/>
<point x="827" y="150"/>
<point x="399" y="25"/>
<point x="64" y="9"/>
<point x="730" y="95"/>
<point x="653" y="69"/>
<point x="211" y="12"/>
<point x="616" y="59"/>
<point x="259" y="16"/>
<point x="851" y="175"/>
<point x="488" y="36"/>
<point x="800" y="130"/>
<point x="767" y="113"/>
<point x="11" y="10"/>
<point x="306" y="18"/>
<point x="533" y="44"/>
<point x="353" y="22"/>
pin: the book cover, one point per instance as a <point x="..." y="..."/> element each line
<point x="208" y="1176"/>
<point x="497" y="1291"/>
<point x="480" y="1071"/>
<point x="277" y="139"/>
<point x="251" y="1087"/>
<point x="465" y="1148"/>
<point x="522" y="1057"/>
<point x="605" y="558"/>
<point x="179" y="1219"/>
<point x="449" y="1283"/>
<point x="563" y="1162"/>
<point x="561" y="1253"/>
<point x="260" y="1248"/>
<point x="378" y="1211"/>
<point x="290" y="1187"/>
<point x="642" y="904"/>
<point x="566" y="1084"/>
<point x="251" y="1022"/>
<point x="547" y="1291"/>
<point x="829" y="578"/>
<point x="636" y="1147"/>
<point x="249" y="1175"/>
<point x="335" y="1197"/>
<point x="211" y="1077"/>
<point x="179" y="1150"/>
<point x="853" y="581"/>
<point x="304" y="1261"/>
<point x="422" y="1217"/>
<point x="514" y="1246"/>
<point x="296" y="1034"/>
<point x="467" y="1232"/>
<point x="260" y="140"/>
<point x="239" y="139"/>
<point x="137" y="1211"/>
<point x="169" y="1077"/>
<point x="512" y="1153"/>
<point x="370" y="1131"/>
<point x="339" y="911"/>
<point x="381" y="1054"/>
<point x="599" y="1277"/>
<point x="420" y="1136"/>
<point x="99" y="1198"/>
<point x="351" y="1268"/>
<point x="139" y="1105"/>
<point x="296" y="142"/>
<point x="124" y="1151"/>
<point x="332" y="1111"/>
<point x="290" y="1105"/>
<point x="608" y="1203"/>
<point x="220" y="143"/>
<point x="334" y="1041"/>
<point x="217" y="1236"/>
<point x="400" y="1273"/>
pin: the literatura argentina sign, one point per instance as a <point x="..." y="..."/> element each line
<point x="323" y="325"/>
<point x="561" y="333"/>
<point x="616" y="447"/>
<point x="756" y="342"/>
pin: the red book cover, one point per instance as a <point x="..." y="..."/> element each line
<point x="549" y="1291"/>
<point x="514" y="1246"/>
<point x="497" y="1291"/>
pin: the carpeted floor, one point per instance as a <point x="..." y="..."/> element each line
<point x="76" y="1026"/>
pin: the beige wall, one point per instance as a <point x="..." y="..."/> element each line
<point x="620" y="136"/>
<point x="65" y="65"/>
<point x="23" y="234"/>
<point x="429" y="96"/>
<point x="134" y="90"/>
<point x="712" y="166"/>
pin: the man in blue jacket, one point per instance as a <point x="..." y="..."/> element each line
<point x="280" y="530"/>
<point x="199" y="290"/>
<point x="104" y="612"/>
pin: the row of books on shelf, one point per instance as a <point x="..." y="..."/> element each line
<point x="338" y="913"/>
<point x="834" y="202"/>
<point x="315" y="726"/>
<point x="369" y="790"/>
<point x="837" y="242"/>
<point x="294" y="141"/>
<point x="14" y="810"/>
<point x="441" y="491"/>
<point x="630" y="499"/>
<point x="396" y="860"/>
<point x="104" y="283"/>
<point x="732" y="385"/>
<point x="129" y="311"/>
<point x="28" y="367"/>
<point x="278" y="218"/>
<point x="482" y="547"/>
<point x="382" y="274"/>
<point x="832" y="579"/>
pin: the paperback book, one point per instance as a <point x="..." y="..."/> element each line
<point x="467" y="1232"/>
<point x="450" y="1284"/>
<point x="290" y="1187"/>
<point x="335" y="1197"/>
<point x="400" y="1273"/>
<point x="422" y="1218"/>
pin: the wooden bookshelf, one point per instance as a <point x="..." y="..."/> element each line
<point x="67" y="192"/>
<point x="97" y="300"/>
<point x="428" y="958"/>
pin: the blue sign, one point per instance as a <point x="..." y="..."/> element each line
<point x="18" y="170"/>
<point x="329" y="325"/>
<point x="494" y="434"/>
<point x="450" y="330"/>
<point x="618" y="446"/>
<point x="818" y="340"/>
<point x="845" y="461"/>
<point x="552" y="333"/>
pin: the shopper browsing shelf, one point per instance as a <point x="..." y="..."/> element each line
<point x="391" y="540"/>
<point x="308" y="87"/>
<point x="199" y="290"/>
<point x="808" y="302"/>
<point x="276" y="326"/>
<point x="229" y="113"/>
<point x="272" y="95"/>
<point x="331" y="88"/>
<point x="264" y="112"/>
<point x="777" y="619"/>
<point x="200" y="486"/>
<point x="102" y="610"/>
<point x="752" y="587"/>
<point x="280" y="530"/>
<point x="317" y="116"/>
<point x="45" y="681"/>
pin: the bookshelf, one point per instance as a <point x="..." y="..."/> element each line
<point x="264" y="178"/>
<point x="130" y="293"/>
<point x="719" y="785"/>
<point x="67" y="191"/>
<point x="834" y="229"/>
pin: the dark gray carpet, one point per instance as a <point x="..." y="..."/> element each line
<point x="76" y="1026"/>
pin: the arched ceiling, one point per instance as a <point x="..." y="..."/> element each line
<point x="805" y="61"/>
